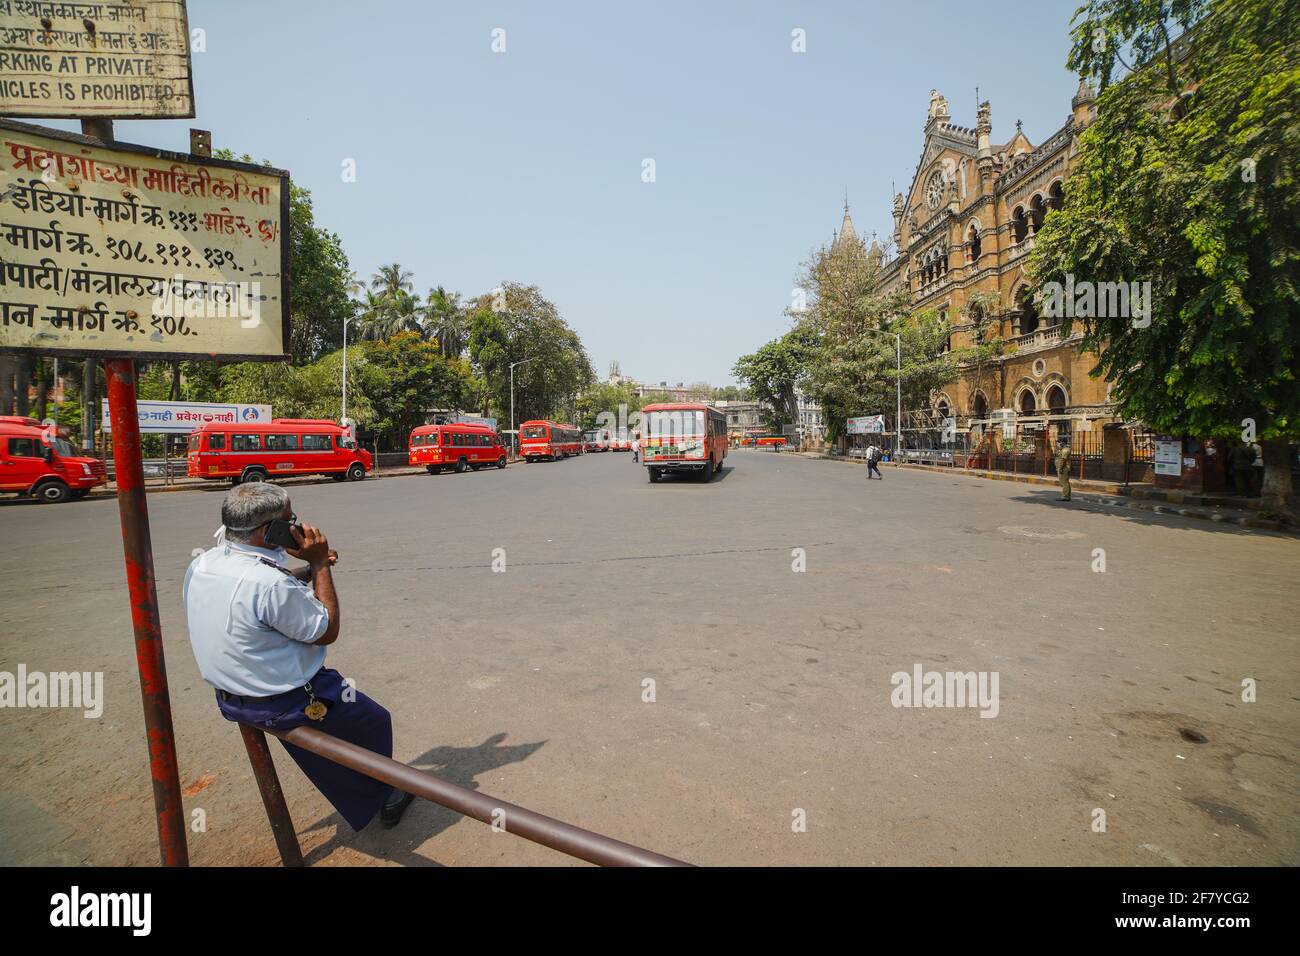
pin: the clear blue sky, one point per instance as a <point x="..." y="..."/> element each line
<point x="475" y="167"/>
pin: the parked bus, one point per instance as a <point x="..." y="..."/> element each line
<point x="285" y="446"/>
<point x="688" y="437"/>
<point x="546" y="439"/>
<point x="596" y="440"/>
<point x="37" y="461"/>
<point x="462" y="447"/>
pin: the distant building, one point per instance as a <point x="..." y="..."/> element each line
<point x="743" y="416"/>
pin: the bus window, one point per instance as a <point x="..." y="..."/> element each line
<point x="23" y="448"/>
<point x="245" y="442"/>
<point x="315" y="442"/>
<point x="277" y="442"/>
<point x="535" y="431"/>
<point x="195" y="440"/>
<point x="216" y="441"/>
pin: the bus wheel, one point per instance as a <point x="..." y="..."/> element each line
<point x="52" y="492"/>
<point x="252" y="474"/>
<point x="653" y="474"/>
<point x="356" y="471"/>
<point x="501" y="462"/>
<point x="462" y="466"/>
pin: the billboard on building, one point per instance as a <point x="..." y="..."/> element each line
<point x="181" y="417"/>
<point x="866" y="425"/>
<point x="126" y="60"/>
<point x="140" y="252"/>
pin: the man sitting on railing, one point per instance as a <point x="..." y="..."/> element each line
<point x="259" y="633"/>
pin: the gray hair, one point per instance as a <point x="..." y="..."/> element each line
<point x="247" y="507"/>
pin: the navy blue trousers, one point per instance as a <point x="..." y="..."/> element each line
<point x="361" y="721"/>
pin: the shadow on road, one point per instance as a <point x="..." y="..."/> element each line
<point x="1168" y="519"/>
<point x="423" y="820"/>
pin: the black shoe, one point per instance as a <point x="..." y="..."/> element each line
<point x="392" y="812"/>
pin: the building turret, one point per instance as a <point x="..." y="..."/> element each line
<point x="1082" y="103"/>
<point x="983" y="127"/>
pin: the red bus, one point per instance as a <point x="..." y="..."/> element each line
<point x="460" y="447"/>
<point x="285" y="446"/>
<point x="546" y="439"/>
<point x="37" y="461"/>
<point x="683" y="438"/>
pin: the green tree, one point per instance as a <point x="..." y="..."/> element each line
<point x="319" y="278"/>
<point x="514" y="323"/>
<point x="414" y="379"/>
<point x="1187" y="180"/>
<point x="771" y="374"/>
<point x="606" y="397"/>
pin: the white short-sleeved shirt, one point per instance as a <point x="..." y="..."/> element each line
<point x="251" y="622"/>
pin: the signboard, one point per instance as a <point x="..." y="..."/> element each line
<point x="186" y="416"/>
<point x="139" y="252"/>
<point x="867" y="425"/>
<point x="474" y="420"/>
<point x="1169" y="456"/>
<point x="127" y="60"/>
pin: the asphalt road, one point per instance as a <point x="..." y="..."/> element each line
<point x="772" y="687"/>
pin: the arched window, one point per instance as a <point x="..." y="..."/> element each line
<point x="979" y="406"/>
<point x="1055" y="196"/>
<point x="1019" y="225"/>
<point x="1036" y="212"/>
<point x="973" y="243"/>
<point x="1056" y="399"/>
<point x="942" y="409"/>
<point x="1027" y="402"/>
<point x="1027" y="314"/>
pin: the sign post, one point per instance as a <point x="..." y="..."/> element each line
<point x="137" y="548"/>
<point x="119" y="252"/>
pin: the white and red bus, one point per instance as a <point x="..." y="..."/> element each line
<point x="541" y="439"/>
<point x="683" y="438"/>
<point x="285" y="446"/>
<point x="461" y="447"/>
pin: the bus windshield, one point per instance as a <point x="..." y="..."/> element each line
<point x="535" y="431"/>
<point x="675" y="424"/>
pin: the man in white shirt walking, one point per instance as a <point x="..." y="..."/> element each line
<point x="259" y="633"/>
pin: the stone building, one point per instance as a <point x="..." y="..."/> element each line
<point x="962" y="233"/>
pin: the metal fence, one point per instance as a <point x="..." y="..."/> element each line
<point x="1029" y="447"/>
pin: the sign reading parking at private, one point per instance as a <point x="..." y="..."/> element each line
<point x="126" y="60"/>
<point x="139" y="252"/>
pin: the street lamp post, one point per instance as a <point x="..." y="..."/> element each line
<point x="514" y="436"/>
<point x="898" y="389"/>
<point x="345" y="371"/>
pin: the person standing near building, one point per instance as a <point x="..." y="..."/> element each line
<point x="1063" y="470"/>
<point x="873" y="457"/>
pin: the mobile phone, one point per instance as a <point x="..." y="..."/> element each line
<point x="278" y="534"/>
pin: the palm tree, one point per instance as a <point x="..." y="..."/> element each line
<point x="392" y="280"/>
<point x="447" y="320"/>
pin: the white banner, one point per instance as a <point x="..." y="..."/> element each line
<point x="156" y="417"/>
<point x="867" y="425"/>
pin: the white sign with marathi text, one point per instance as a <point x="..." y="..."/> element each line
<point x="123" y="60"/>
<point x="139" y="252"/>
<point x="186" y="416"/>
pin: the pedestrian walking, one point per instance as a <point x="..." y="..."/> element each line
<point x="1063" y="470"/>
<point x="259" y="632"/>
<point x="873" y="457"/>
<point x="636" y="448"/>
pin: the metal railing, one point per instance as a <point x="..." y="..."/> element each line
<point x="522" y="822"/>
